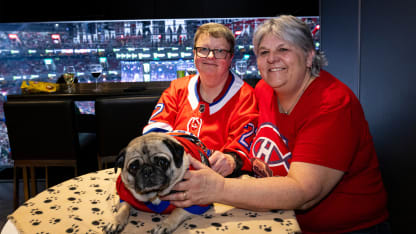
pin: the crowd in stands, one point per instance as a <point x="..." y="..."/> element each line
<point x="23" y="51"/>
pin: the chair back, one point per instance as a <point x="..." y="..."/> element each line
<point x="119" y="120"/>
<point x="42" y="129"/>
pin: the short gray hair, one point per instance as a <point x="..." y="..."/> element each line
<point x="292" y="30"/>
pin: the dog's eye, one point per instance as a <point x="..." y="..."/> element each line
<point x="133" y="167"/>
<point x="162" y="162"/>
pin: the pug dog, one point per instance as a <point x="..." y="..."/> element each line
<point x="151" y="165"/>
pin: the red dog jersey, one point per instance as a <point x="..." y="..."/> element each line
<point x="228" y="124"/>
<point x="192" y="146"/>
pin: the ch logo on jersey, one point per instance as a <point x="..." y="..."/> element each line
<point x="194" y="125"/>
<point x="272" y="148"/>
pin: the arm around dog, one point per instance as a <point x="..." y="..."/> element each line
<point x="295" y="191"/>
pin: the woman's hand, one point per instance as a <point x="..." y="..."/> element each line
<point x="224" y="164"/>
<point x="200" y="187"/>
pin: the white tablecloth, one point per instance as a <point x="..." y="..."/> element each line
<point x="83" y="205"/>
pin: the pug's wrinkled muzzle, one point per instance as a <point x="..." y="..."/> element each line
<point x="151" y="179"/>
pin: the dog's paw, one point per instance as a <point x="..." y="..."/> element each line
<point x="162" y="229"/>
<point x="113" y="228"/>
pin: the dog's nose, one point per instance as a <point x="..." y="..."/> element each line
<point x="147" y="172"/>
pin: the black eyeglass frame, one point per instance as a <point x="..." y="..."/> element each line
<point x="214" y="51"/>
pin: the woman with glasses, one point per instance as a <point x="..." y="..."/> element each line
<point x="214" y="105"/>
<point x="312" y="136"/>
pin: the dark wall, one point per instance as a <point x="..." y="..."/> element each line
<point x="371" y="46"/>
<point x="53" y="10"/>
<point x="340" y="40"/>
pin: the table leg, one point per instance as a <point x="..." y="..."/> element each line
<point x="32" y="182"/>
<point x="46" y="177"/>
<point x="15" y="188"/>
<point x="25" y="184"/>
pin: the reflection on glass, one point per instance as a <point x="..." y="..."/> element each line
<point x="191" y="69"/>
<point x="95" y="70"/>
<point x="241" y="67"/>
<point x="69" y="75"/>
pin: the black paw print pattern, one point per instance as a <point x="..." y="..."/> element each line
<point x="156" y="218"/>
<point x="277" y="211"/>
<point x="285" y="223"/>
<point x="74" y="200"/>
<point x="288" y="223"/>
<point x="137" y="224"/>
<point x="76" y="218"/>
<point x="109" y="172"/>
<point x="28" y="204"/>
<point x="97" y="211"/>
<point x="282" y="222"/>
<point x="243" y="227"/>
<point x="54" y="221"/>
<point x="227" y="214"/>
<point x="53" y="191"/>
<point x="36" y="212"/>
<point x="72" y="187"/>
<point x="72" y="208"/>
<point x="73" y="229"/>
<point x="220" y="227"/>
<point x="94" y="185"/>
<point x="35" y="222"/>
<point x="55" y="207"/>
<point x="95" y="202"/>
<point x="50" y="199"/>
<point x="80" y="192"/>
<point x="208" y="216"/>
<point x="266" y="228"/>
<point x="99" y="223"/>
<point x="189" y="226"/>
<point x="252" y="214"/>
<point x="78" y="179"/>
<point x="100" y="191"/>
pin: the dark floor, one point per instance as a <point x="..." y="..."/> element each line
<point x="6" y="199"/>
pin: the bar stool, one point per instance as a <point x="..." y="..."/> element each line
<point x="42" y="133"/>
<point x="119" y="120"/>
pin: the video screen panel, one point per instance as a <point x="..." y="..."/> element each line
<point x="131" y="71"/>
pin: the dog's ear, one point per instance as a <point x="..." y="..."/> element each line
<point x="177" y="151"/>
<point x="120" y="160"/>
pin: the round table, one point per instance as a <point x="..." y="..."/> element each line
<point x="85" y="203"/>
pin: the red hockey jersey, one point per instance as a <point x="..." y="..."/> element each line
<point x="227" y="124"/>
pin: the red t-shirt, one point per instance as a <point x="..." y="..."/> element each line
<point x="327" y="127"/>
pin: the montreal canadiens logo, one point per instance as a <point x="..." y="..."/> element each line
<point x="271" y="147"/>
<point x="194" y="125"/>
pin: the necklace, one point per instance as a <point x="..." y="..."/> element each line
<point x="286" y="112"/>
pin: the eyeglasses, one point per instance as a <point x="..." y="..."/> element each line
<point x="203" y="52"/>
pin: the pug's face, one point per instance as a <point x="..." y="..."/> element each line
<point x="152" y="164"/>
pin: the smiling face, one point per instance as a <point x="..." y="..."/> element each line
<point x="213" y="71"/>
<point x="282" y="65"/>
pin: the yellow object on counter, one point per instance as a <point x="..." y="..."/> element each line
<point x="38" y="86"/>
